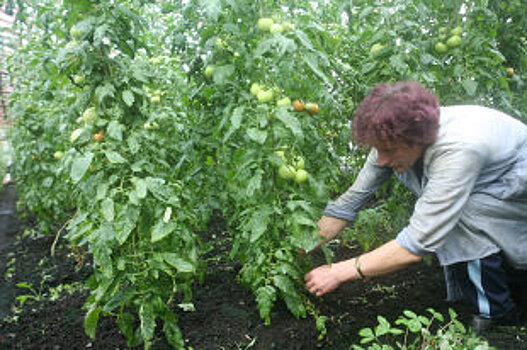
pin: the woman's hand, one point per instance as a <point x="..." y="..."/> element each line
<point x="326" y="278"/>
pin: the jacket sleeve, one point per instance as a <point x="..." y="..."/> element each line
<point x="369" y="180"/>
<point x="451" y="179"/>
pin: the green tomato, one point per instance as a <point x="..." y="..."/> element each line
<point x="155" y="99"/>
<point x="510" y="71"/>
<point x="58" y="155"/>
<point x="265" y="24"/>
<point x="456" y="31"/>
<point x="209" y="71"/>
<point x="374" y="50"/>
<point x="300" y="176"/>
<point x="276" y="28"/>
<point x="284" y="102"/>
<point x="281" y="154"/>
<point x="75" y="33"/>
<point x="75" y="134"/>
<point x="454" y="41"/>
<point x="299" y="163"/>
<point x="265" y="96"/>
<point x="440" y="47"/>
<point x="255" y="89"/>
<point x="151" y="126"/>
<point x="78" y="79"/>
<point x="288" y="26"/>
<point x="89" y="115"/>
<point x="286" y="172"/>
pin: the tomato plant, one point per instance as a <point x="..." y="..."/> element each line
<point x="135" y="121"/>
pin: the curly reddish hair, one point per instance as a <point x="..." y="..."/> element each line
<point x="404" y="111"/>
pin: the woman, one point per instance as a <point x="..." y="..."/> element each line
<point x="468" y="167"/>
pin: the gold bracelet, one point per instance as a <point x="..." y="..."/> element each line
<point x="357" y="267"/>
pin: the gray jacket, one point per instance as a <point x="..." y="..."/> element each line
<point x="472" y="195"/>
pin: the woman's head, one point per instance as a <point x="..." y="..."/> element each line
<point x="401" y="112"/>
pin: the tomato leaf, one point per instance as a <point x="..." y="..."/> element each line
<point x="114" y="157"/>
<point x="258" y="222"/>
<point x="107" y="209"/>
<point x="125" y="322"/>
<point x="470" y="86"/>
<point x="79" y="166"/>
<point x="148" y="320"/>
<point x="256" y="135"/>
<point x="126" y="222"/>
<point x="103" y="92"/>
<point x="176" y="261"/>
<point x="236" y="121"/>
<point x="285" y="284"/>
<point x="290" y="122"/>
<point x="140" y="187"/>
<point x="162" y="229"/>
<point x="265" y="297"/>
<point x="128" y="97"/>
<point x="222" y="74"/>
<point x="115" y="130"/>
<point x="295" y="305"/>
<point x="90" y="321"/>
<point x="172" y="331"/>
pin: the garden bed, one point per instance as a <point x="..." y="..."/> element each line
<point x="225" y="315"/>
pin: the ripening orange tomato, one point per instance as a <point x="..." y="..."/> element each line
<point x="314" y="109"/>
<point x="99" y="136"/>
<point x="298" y="105"/>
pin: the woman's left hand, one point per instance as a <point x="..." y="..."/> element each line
<point x="325" y="278"/>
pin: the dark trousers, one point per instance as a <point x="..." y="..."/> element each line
<point x="493" y="288"/>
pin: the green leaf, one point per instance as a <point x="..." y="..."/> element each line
<point x="470" y="86"/>
<point x="162" y="229"/>
<point x="366" y="333"/>
<point x="312" y="61"/>
<point x="79" y="166"/>
<point x="265" y="297"/>
<point x="279" y="45"/>
<point x="258" y="222"/>
<point x="128" y="97"/>
<point x="107" y="209"/>
<point x="285" y="284"/>
<point x="90" y="322"/>
<point x="256" y="135"/>
<point x="102" y="252"/>
<point x="236" y="122"/>
<point x="255" y="183"/>
<point x="115" y="130"/>
<point x="295" y="305"/>
<point x="222" y="74"/>
<point x="157" y="187"/>
<point x="172" y="331"/>
<point x="304" y="39"/>
<point x="176" y="261"/>
<point x="102" y="190"/>
<point x="414" y="325"/>
<point x="102" y="92"/>
<point x="397" y="62"/>
<point x="148" y="320"/>
<point x="140" y="187"/>
<point x="409" y="314"/>
<point x="383" y="327"/>
<point x="212" y="8"/>
<point x="114" y="157"/>
<point x="125" y="322"/>
<point x="290" y="122"/>
<point x="126" y="222"/>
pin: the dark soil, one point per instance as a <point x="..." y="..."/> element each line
<point x="225" y="315"/>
